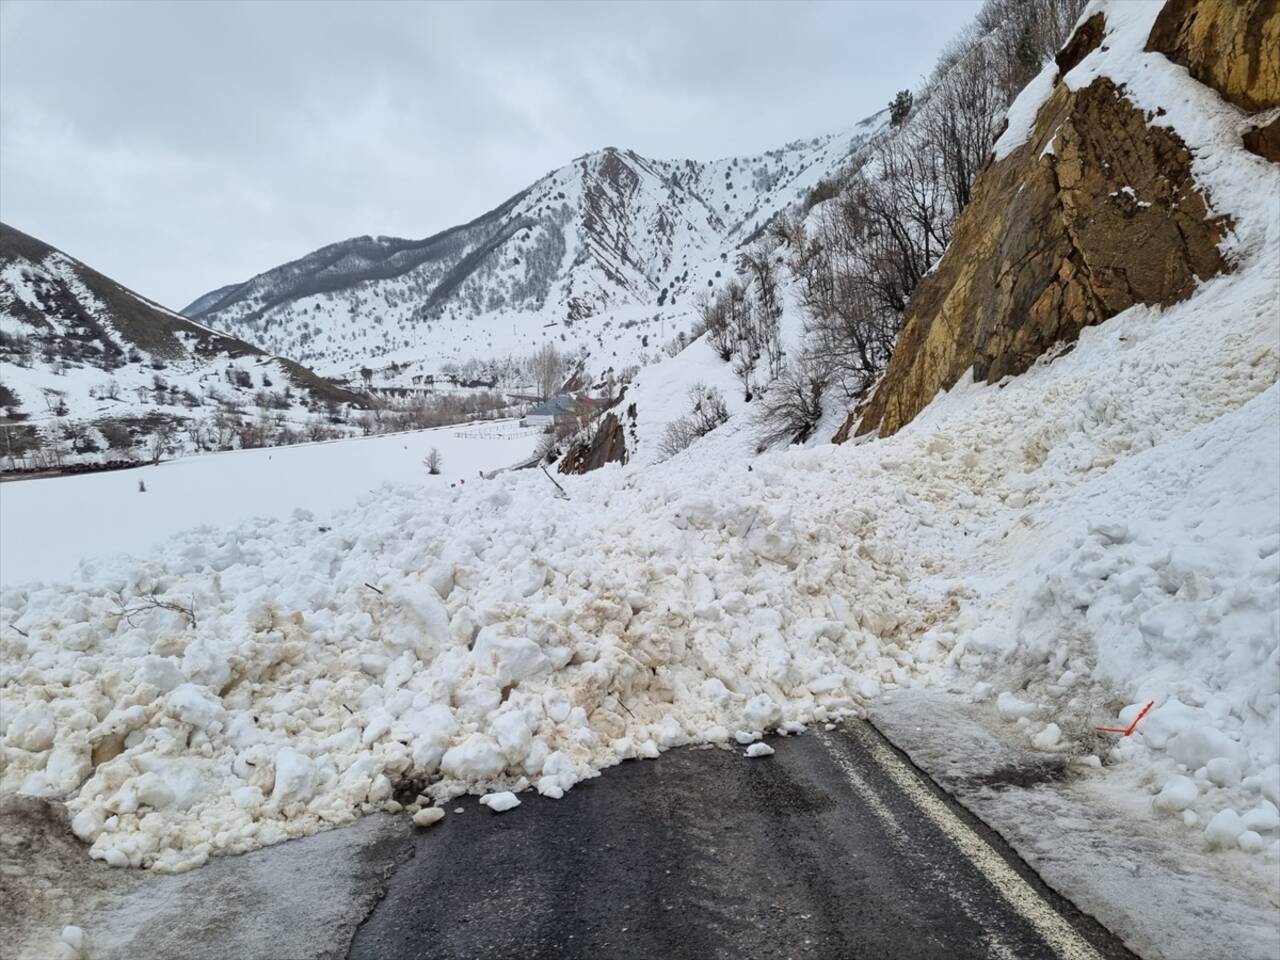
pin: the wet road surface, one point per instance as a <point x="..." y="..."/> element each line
<point x="834" y="847"/>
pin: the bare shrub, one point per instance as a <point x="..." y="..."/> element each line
<point x="707" y="411"/>
<point x="792" y="406"/>
<point x="117" y="435"/>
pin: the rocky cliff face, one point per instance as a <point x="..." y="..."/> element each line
<point x="1095" y="212"/>
<point x="1230" y="45"/>
<point x="607" y="444"/>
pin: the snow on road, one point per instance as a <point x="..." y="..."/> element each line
<point x="50" y="525"/>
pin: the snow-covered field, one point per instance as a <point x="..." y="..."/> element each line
<point x="1099" y="532"/>
<point x="50" y="525"/>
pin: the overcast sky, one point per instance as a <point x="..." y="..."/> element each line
<point x="179" y="147"/>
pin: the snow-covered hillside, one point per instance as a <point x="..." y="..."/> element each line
<point x="605" y="256"/>
<point x="89" y="370"/>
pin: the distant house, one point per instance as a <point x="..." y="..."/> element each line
<point x="565" y="408"/>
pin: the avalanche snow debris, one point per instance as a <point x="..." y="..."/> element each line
<point x="301" y="698"/>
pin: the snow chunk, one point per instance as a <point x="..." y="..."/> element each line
<point x="196" y="706"/>
<point x="160" y="672"/>
<point x="761" y="712"/>
<point x="1177" y="794"/>
<point x="1223" y="771"/>
<point x="477" y="758"/>
<point x="1049" y="738"/>
<point x="759" y="750"/>
<point x="1011" y="708"/>
<point x="296" y="778"/>
<point x="1199" y="745"/>
<point x="510" y="659"/>
<point x="1262" y="818"/>
<point x="1224" y="828"/>
<point x="500" y="802"/>
<point x="428" y="816"/>
<point x="1250" y="842"/>
<point x="418" y="620"/>
<point x="32" y="727"/>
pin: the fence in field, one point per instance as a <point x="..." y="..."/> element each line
<point x="506" y="431"/>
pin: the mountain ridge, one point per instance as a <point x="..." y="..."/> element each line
<point x="90" y="363"/>
<point x="610" y="237"/>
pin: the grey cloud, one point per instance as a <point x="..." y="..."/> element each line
<point x="181" y="146"/>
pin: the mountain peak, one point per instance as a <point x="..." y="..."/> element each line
<point x="611" y="241"/>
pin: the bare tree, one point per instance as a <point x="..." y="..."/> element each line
<point x="78" y="432"/>
<point x="225" y="426"/>
<point x="893" y="217"/>
<point x="196" y="433"/>
<point x="548" y="369"/>
<point x="160" y="441"/>
<point x="792" y="405"/>
<point x="715" y="316"/>
<point x="900" y="108"/>
<point x="432" y="462"/>
<point x="117" y="436"/>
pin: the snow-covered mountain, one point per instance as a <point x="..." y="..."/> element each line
<point x="90" y="366"/>
<point x="604" y="255"/>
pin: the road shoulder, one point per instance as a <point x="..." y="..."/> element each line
<point x="1090" y="835"/>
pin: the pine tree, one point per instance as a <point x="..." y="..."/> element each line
<point x="900" y="108"/>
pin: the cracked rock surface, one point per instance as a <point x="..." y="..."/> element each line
<point x="1096" y="212"/>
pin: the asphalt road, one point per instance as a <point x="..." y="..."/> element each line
<point x="834" y="847"/>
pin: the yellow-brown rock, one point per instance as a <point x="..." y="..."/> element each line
<point x="1231" y="45"/>
<point x="1053" y="241"/>
<point x="607" y="444"/>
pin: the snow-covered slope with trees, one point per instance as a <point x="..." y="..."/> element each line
<point x="604" y="256"/>
<point x="91" y="370"/>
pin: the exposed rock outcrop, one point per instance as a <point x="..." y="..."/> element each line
<point x="1230" y="45"/>
<point x="1086" y="39"/>
<point x="1264" y="140"/>
<point x="1096" y="212"/>
<point x="607" y="444"/>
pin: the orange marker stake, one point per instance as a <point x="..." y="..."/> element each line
<point x="1126" y="731"/>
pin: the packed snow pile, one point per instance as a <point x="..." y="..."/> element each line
<point x="262" y="683"/>
<point x="1097" y="533"/>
